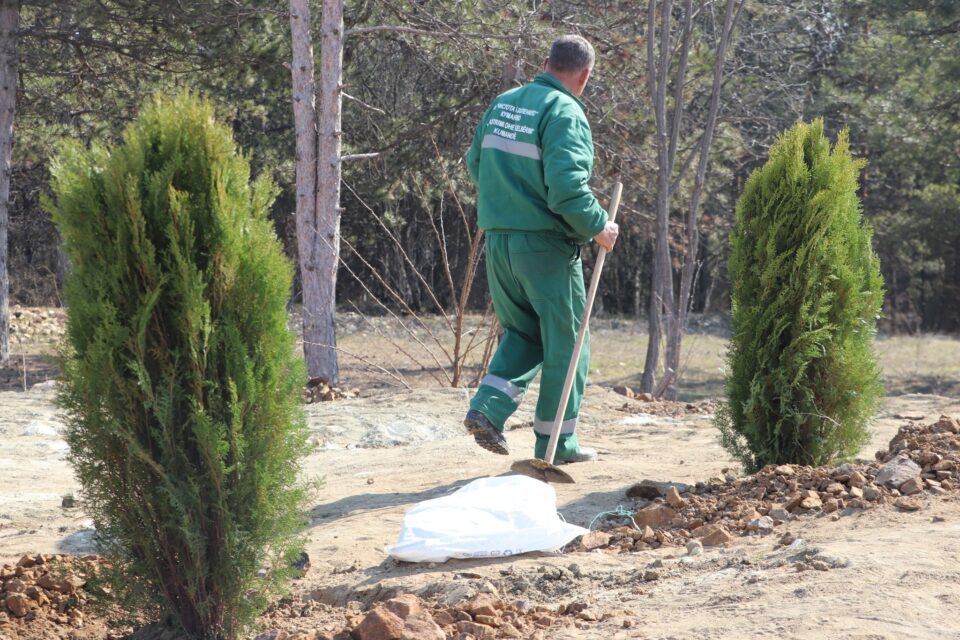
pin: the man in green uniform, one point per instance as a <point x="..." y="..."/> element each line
<point x="531" y="159"/>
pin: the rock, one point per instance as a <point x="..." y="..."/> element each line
<point x="70" y="584"/>
<point x="712" y="535"/>
<point x="857" y="479"/>
<point x="944" y="475"/>
<point x="645" y="397"/>
<point x="483" y="605"/>
<point x="947" y="484"/>
<point x="831" y="505"/>
<point x="624" y="391"/>
<point x="761" y="525"/>
<point x="794" y="502"/>
<point x="15" y="585"/>
<point x="651" y="489"/>
<point x="787" y="539"/>
<point x="403" y="606"/>
<point x="855" y="492"/>
<point x="650" y="575"/>
<point x="595" y="540"/>
<point x="420" y="626"/>
<point x="490" y="621"/>
<point x="946" y="423"/>
<point x="453" y="593"/>
<point x="478" y="631"/>
<point x="897" y="471"/>
<point x="379" y="624"/>
<point x="674" y="499"/>
<point x="907" y="504"/>
<point x="779" y="513"/>
<point x="911" y="486"/>
<point x="694" y="548"/>
<point x="785" y="470"/>
<point x="871" y="493"/>
<point x="36" y="594"/>
<point x="27" y="561"/>
<point x="946" y="465"/>
<point x="648" y="535"/>
<point x="811" y="500"/>
<point x="507" y="630"/>
<point x="47" y="582"/>
<point x="820" y="565"/>
<point x="654" y="515"/>
<point x="443" y="618"/>
<point x="18" y="604"/>
<point x="835" y="488"/>
<point x="302" y="562"/>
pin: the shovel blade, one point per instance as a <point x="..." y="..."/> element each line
<point x="542" y="471"/>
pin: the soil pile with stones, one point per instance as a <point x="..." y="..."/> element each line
<point x="36" y="324"/>
<point x="482" y="617"/>
<point x="319" y="390"/>
<point x="645" y="403"/>
<point x="921" y="461"/>
<point x="49" y="596"/>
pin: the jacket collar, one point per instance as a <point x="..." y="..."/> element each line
<point x="551" y="81"/>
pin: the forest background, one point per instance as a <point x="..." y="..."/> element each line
<point x="417" y="75"/>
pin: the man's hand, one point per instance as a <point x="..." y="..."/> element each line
<point x="608" y="237"/>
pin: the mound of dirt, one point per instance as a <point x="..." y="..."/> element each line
<point x="647" y="404"/>
<point x="320" y="390"/>
<point x="47" y="596"/>
<point x="483" y="616"/>
<point x="33" y="324"/>
<point x="920" y="461"/>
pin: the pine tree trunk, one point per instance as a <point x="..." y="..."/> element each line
<point x="321" y="320"/>
<point x="317" y="242"/>
<point x="678" y="323"/>
<point x="9" y="18"/>
<point x="648" y="379"/>
<point x="662" y="291"/>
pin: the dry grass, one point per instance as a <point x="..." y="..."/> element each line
<point x="911" y="364"/>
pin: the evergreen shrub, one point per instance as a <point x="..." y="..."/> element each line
<point x="802" y="380"/>
<point x="181" y="386"/>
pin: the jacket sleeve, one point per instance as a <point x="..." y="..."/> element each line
<point x="567" y="149"/>
<point x="473" y="154"/>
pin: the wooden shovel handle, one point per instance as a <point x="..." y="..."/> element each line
<point x="584" y="322"/>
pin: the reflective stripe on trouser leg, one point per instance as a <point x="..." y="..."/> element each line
<point x="517" y="359"/>
<point x="511" y="390"/>
<point x="567" y="446"/>
<point x="544" y="428"/>
<point x="554" y="281"/>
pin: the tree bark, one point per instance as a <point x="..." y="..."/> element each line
<point x="323" y="319"/>
<point x="672" y="353"/>
<point x="679" y="319"/>
<point x="318" y="180"/>
<point x="661" y="293"/>
<point x="9" y="24"/>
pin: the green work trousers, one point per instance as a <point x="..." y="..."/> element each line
<point x="536" y="282"/>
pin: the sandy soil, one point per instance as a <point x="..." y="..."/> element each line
<point x="896" y="575"/>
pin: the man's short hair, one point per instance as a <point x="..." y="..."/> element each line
<point x="570" y="54"/>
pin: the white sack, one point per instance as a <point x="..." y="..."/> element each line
<point x="487" y="518"/>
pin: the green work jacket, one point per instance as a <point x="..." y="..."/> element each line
<point x="531" y="159"/>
